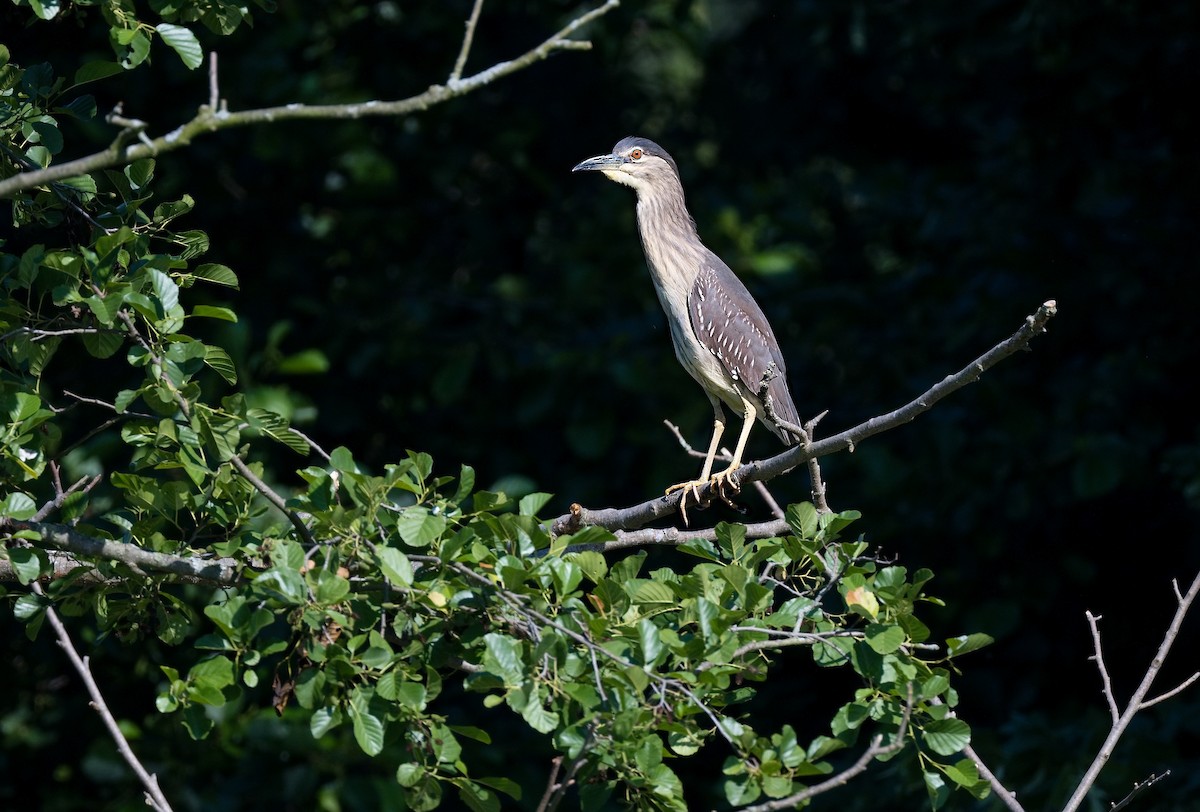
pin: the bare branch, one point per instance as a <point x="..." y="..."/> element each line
<point x="1113" y="710"/>
<point x="154" y="796"/>
<point x="1177" y="689"/>
<point x="210" y="119"/>
<point x="465" y="48"/>
<point x="664" y="507"/>
<point x="820" y="502"/>
<point x="1138" y="788"/>
<point x="1137" y="701"/>
<point x="214" y="88"/>
<point x="1002" y="792"/>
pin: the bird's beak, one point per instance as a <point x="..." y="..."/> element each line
<point x="600" y="163"/>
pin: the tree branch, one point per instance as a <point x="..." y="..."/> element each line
<point x="138" y="559"/>
<point x="1098" y="657"/>
<point x="638" y="515"/>
<point x="210" y="119"/>
<point x="1136" y="702"/>
<point x="465" y="48"/>
<point x="1137" y="790"/>
<point x="154" y="796"/>
<point x="1002" y="792"/>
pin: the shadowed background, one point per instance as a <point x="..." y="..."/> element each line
<point x="899" y="184"/>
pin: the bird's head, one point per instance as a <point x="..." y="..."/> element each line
<point x="636" y="162"/>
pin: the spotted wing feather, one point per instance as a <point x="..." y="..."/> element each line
<point x="731" y="325"/>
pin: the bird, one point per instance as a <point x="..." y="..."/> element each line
<point x="720" y="334"/>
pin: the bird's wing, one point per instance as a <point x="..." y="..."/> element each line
<point x="731" y="325"/>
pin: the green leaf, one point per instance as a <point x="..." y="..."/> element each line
<point x="331" y="588"/>
<point x="17" y="505"/>
<point x="802" y="518"/>
<point x="165" y="289"/>
<point x="102" y="345"/>
<point x="651" y="643"/>
<point x="531" y="503"/>
<point x="183" y="42"/>
<point x="323" y="720"/>
<point x="213" y="312"/>
<point x="884" y="639"/>
<point x="506" y="785"/>
<point x="49" y="136"/>
<point x="368" y="729"/>
<point x="81" y="183"/>
<point x="591" y="563"/>
<point x="964" y="772"/>
<point x="968" y="642"/>
<point x="28" y="563"/>
<point x="408" y="775"/>
<point x="396" y="566"/>
<point x="94" y="71"/>
<point x="502" y="657"/>
<point x="132" y="46"/>
<point x="419" y="527"/>
<point x="46" y="9"/>
<point x="139" y="173"/>
<point x="935" y="785"/>
<point x="306" y="362"/>
<point x="29" y="606"/>
<point x="212" y="272"/>
<point x="478" y="798"/>
<point x="946" y="736"/>
<point x="219" y="362"/>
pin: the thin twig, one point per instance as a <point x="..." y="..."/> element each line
<point x="465" y="48"/>
<point x="1098" y="657"/>
<point x="1177" y="689"/>
<point x="1138" y="788"/>
<point x="271" y="496"/>
<point x="154" y="795"/>
<point x="819" y="491"/>
<point x="1002" y="792"/>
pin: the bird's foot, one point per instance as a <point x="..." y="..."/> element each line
<point x="722" y="484"/>
<point x="692" y="488"/>
<point x="724" y="481"/>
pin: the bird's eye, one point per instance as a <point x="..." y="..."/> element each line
<point x="636" y="153"/>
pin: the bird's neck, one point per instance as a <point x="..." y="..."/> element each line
<point x="669" y="238"/>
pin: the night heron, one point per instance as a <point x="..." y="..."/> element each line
<point x="720" y="333"/>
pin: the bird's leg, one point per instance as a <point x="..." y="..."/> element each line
<point x="721" y="478"/>
<point x="692" y="486"/>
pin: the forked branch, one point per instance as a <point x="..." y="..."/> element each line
<point x="1138" y="701"/>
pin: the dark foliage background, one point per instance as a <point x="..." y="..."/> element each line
<point x="900" y="184"/>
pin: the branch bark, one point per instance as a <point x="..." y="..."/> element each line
<point x="154" y="795"/>
<point x="126" y="148"/>
<point x="1136" y="702"/>
<point x="140" y="560"/>
<point x="636" y="516"/>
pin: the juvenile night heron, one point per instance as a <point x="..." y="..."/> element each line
<point x="720" y="333"/>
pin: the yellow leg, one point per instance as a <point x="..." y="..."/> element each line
<point x="750" y="414"/>
<point x="692" y="486"/>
